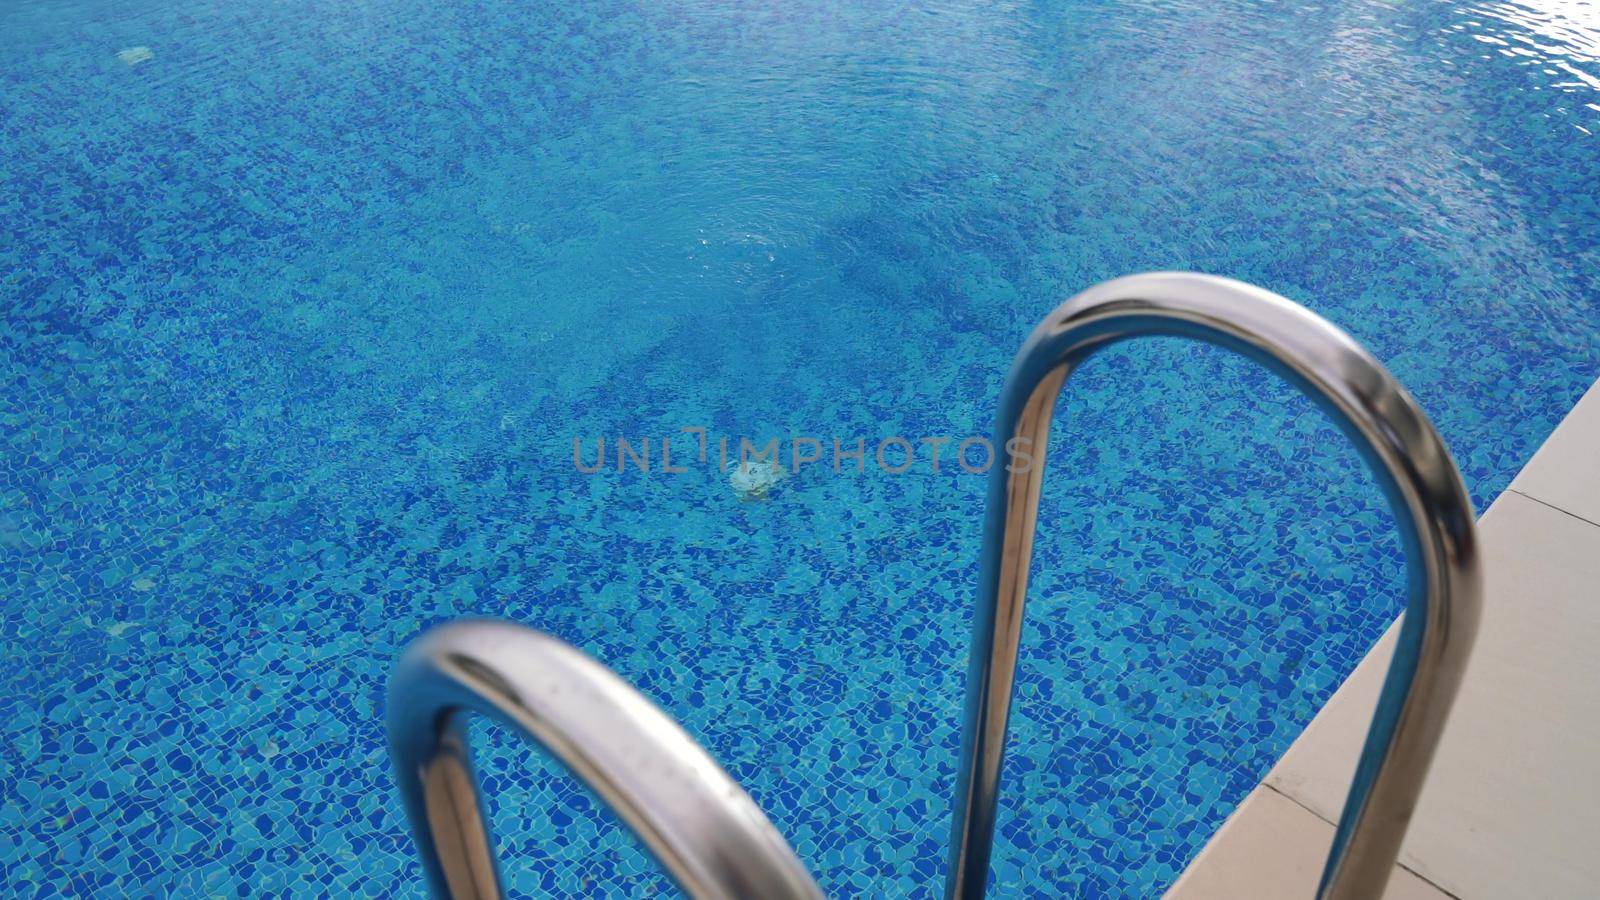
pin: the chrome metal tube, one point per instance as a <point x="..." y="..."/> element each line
<point x="1429" y="502"/>
<point x="702" y="827"/>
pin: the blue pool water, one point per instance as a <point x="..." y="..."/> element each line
<point x="304" y="305"/>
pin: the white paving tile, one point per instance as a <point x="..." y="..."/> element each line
<point x="1565" y="473"/>
<point x="1512" y="805"/>
<point x="1273" y="849"/>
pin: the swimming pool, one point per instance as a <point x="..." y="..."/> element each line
<point x="305" y="306"/>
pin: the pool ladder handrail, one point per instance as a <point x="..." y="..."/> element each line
<point x="713" y="839"/>
<point x="1399" y="444"/>
<point x="694" y="819"/>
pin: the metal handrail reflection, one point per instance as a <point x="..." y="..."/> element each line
<point x="1423" y="487"/>
<point x="701" y="826"/>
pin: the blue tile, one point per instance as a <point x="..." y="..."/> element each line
<point x="302" y="313"/>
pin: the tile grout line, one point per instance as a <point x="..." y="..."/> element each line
<point x="1546" y="503"/>
<point x="1428" y="881"/>
<point x="1296" y="802"/>
<point x="1335" y="826"/>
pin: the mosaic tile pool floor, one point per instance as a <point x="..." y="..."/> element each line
<point x="304" y="305"/>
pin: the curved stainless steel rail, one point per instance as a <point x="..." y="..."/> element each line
<point x="697" y="822"/>
<point x="1405" y="453"/>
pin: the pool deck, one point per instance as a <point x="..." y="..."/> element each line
<point x="1512" y="805"/>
